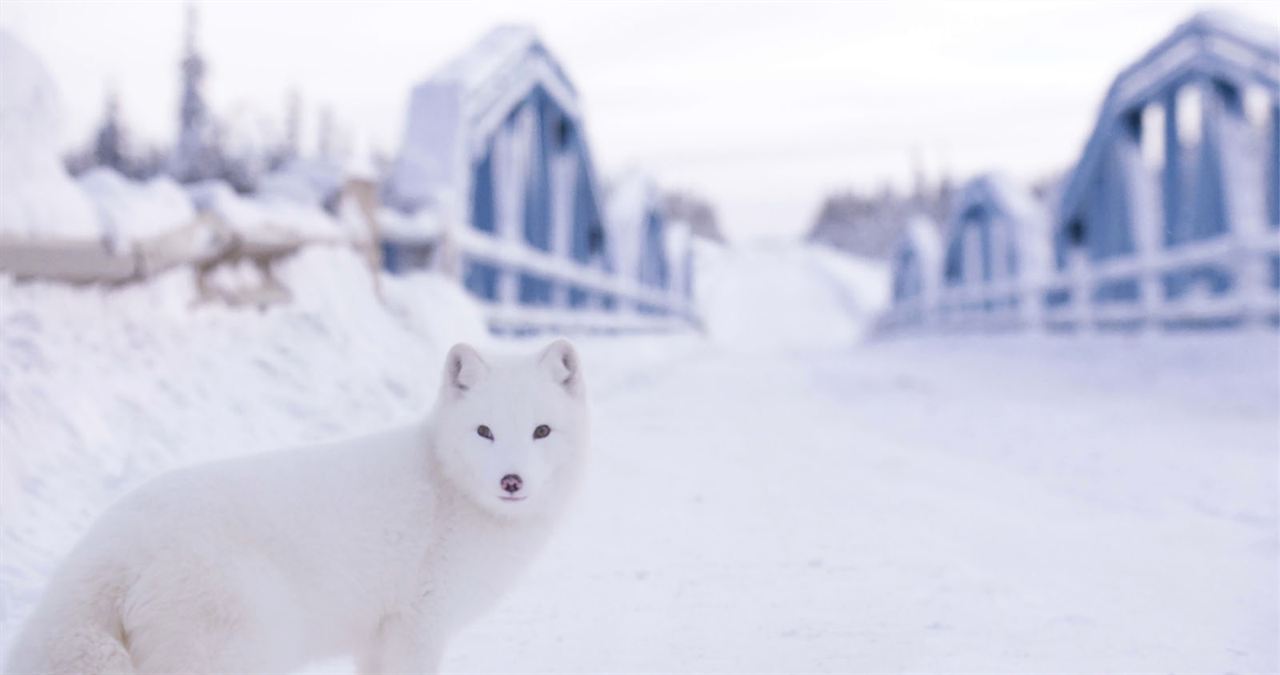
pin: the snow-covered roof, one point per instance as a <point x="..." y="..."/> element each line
<point x="453" y="114"/>
<point x="1215" y="43"/>
<point x="1009" y="200"/>
<point x="500" y="50"/>
<point x="500" y="68"/>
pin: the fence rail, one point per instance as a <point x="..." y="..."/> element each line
<point x="636" y="307"/>
<point x="1222" y="281"/>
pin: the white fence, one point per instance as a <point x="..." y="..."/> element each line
<point x="1173" y="288"/>
<point x="636" y="307"/>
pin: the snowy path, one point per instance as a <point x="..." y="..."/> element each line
<point x="993" y="505"/>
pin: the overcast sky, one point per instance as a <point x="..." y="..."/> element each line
<point x="762" y="108"/>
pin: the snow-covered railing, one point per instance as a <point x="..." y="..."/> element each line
<point x="633" y="306"/>
<point x="1228" y="280"/>
<point x="1244" y="267"/>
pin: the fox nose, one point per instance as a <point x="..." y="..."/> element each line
<point x="512" y="483"/>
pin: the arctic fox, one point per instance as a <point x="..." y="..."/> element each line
<point x="379" y="547"/>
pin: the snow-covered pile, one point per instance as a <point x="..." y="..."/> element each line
<point x="420" y="225"/>
<point x="310" y="182"/>
<point x="100" y="390"/>
<point x="38" y="200"/>
<point x="784" y="295"/>
<point x="268" y="217"/>
<point x="131" y="210"/>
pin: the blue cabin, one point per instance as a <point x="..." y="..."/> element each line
<point x="1183" y="163"/>
<point x="494" y="144"/>
<point x="995" y="252"/>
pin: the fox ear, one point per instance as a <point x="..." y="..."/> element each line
<point x="561" y="361"/>
<point x="463" y="368"/>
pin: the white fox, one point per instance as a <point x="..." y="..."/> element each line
<point x="379" y="547"/>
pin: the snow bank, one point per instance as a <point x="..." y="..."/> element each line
<point x="310" y="182"/>
<point x="101" y="390"/>
<point x="131" y="210"/>
<point x="786" y="295"/>
<point x="38" y="200"/>
<point x="268" y="218"/>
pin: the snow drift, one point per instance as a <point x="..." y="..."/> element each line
<point x="38" y="200"/>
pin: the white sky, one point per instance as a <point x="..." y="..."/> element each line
<point x="762" y="108"/>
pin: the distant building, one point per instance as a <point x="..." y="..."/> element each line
<point x="495" y="147"/>
<point x="870" y="225"/>
<point x="995" y="253"/>
<point x="1171" y="214"/>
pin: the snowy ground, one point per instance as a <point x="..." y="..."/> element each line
<point x="779" y="496"/>
<point x="986" y="505"/>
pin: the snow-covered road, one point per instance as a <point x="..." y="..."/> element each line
<point x="1028" y="505"/>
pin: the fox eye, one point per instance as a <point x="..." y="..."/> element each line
<point x="484" y="432"/>
<point x="542" y="431"/>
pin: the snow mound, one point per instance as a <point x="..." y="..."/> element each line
<point x="267" y="219"/>
<point x="102" y="389"/>
<point x="130" y="210"/>
<point x="787" y="296"/>
<point x="38" y="200"/>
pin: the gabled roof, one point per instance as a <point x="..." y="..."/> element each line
<point x="500" y="50"/>
<point x="1010" y="201"/>
<point x="1212" y="43"/>
<point x="505" y="64"/>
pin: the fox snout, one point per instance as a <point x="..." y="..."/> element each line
<point x="512" y="483"/>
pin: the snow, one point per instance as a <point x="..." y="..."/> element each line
<point x="632" y="196"/>
<point x="421" y="225"/>
<point x="307" y="182"/>
<point x="784" y="296"/>
<point x="779" y="495"/>
<point x="270" y="217"/>
<point x="1012" y="504"/>
<point x="101" y="389"/>
<point x="38" y="200"/>
<point x="130" y="211"/>
<point x="499" y="50"/>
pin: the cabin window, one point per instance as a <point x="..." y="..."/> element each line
<point x="595" y="239"/>
<point x="564" y="133"/>
<point x="1076" y="232"/>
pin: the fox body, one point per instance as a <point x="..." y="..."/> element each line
<point x="380" y="547"/>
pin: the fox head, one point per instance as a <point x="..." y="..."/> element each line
<point x="511" y="433"/>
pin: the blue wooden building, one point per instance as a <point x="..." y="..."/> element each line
<point x="495" y="145"/>
<point x="1171" y="214"/>
<point x="995" y="252"/>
